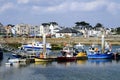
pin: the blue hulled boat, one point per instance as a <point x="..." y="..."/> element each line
<point x="104" y="53"/>
<point x="100" y="56"/>
<point x="36" y="45"/>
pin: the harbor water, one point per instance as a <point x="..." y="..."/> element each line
<point x="91" y="69"/>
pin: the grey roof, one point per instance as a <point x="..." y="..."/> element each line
<point x="68" y="30"/>
<point x="57" y="29"/>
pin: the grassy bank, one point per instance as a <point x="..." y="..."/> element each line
<point x="73" y="40"/>
<point x="58" y="43"/>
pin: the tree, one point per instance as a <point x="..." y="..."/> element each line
<point x="98" y="26"/>
<point x="54" y="23"/>
<point x="45" y="24"/>
<point x="118" y="30"/>
<point x="82" y="23"/>
<point x="77" y="24"/>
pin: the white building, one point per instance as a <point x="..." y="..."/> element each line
<point x="34" y="31"/>
<point x="47" y="28"/>
<point x="22" y="29"/>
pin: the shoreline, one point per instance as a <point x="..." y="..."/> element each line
<point x="72" y="40"/>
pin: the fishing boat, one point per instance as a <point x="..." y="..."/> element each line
<point x="79" y="46"/>
<point x="25" y="53"/>
<point x="67" y="54"/>
<point x="80" y="51"/>
<point x="36" y="45"/>
<point x="43" y="55"/>
<point x="96" y="53"/>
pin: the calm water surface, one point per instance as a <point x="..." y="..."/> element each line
<point x="78" y="70"/>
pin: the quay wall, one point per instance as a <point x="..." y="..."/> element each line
<point x="114" y="40"/>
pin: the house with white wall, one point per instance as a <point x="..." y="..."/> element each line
<point x="34" y="31"/>
<point x="54" y="28"/>
<point x="67" y="32"/>
<point x="22" y="29"/>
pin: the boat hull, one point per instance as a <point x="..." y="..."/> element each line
<point x="16" y="55"/>
<point x="63" y="59"/>
<point x="30" y="47"/>
<point x="100" y="56"/>
<point x="42" y="59"/>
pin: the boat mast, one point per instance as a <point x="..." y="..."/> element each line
<point x="103" y="43"/>
<point x="44" y="45"/>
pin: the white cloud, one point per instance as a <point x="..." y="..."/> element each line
<point x="61" y="7"/>
<point x="80" y="6"/>
<point x="113" y="8"/>
<point x="6" y="6"/>
<point x="23" y="1"/>
<point x="35" y="9"/>
<point x="32" y="1"/>
<point x="91" y="6"/>
<point x="75" y="6"/>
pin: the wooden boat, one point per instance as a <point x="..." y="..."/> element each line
<point x="95" y="53"/>
<point x="43" y="57"/>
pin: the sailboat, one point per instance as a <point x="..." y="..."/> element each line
<point x="43" y="56"/>
<point x="95" y="53"/>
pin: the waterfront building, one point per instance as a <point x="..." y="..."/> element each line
<point x="22" y="29"/>
<point x="34" y="31"/>
<point x="67" y="32"/>
<point x="2" y="29"/>
<point x="54" y="28"/>
<point x="49" y="28"/>
<point x="44" y="28"/>
<point x="9" y="29"/>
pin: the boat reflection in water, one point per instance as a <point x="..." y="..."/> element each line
<point x="81" y="62"/>
<point x="43" y="63"/>
<point x="66" y="64"/>
<point x="99" y="61"/>
<point x="16" y="65"/>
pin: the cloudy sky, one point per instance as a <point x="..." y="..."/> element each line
<point x="64" y="12"/>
